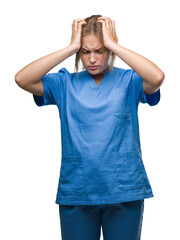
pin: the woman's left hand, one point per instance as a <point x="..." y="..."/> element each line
<point x="109" y="32"/>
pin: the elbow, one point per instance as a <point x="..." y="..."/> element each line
<point x="160" y="79"/>
<point x="18" y="79"/>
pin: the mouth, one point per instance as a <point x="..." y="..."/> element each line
<point x="93" y="67"/>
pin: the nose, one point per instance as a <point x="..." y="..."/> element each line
<point x="92" y="59"/>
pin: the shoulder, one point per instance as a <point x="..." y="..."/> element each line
<point x="67" y="74"/>
<point x="123" y="71"/>
<point x="63" y="71"/>
<point x="123" y="75"/>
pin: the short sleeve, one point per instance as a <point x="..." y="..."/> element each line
<point x="141" y="96"/>
<point x="52" y="83"/>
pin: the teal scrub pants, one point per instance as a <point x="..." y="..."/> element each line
<point x="119" y="221"/>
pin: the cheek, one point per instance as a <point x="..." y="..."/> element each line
<point x="105" y="60"/>
<point x="101" y="59"/>
<point x="83" y="60"/>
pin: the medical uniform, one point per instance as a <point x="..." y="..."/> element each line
<point x="101" y="159"/>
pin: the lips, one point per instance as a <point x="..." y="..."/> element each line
<point x="93" y="67"/>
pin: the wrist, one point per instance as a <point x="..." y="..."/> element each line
<point x="111" y="45"/>
<point x="74" y="48"/>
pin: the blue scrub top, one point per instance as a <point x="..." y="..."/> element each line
<point x="101" y="159"/>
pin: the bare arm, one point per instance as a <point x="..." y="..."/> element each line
<point x="151" y="74"/>
<point x="29" y="78"/>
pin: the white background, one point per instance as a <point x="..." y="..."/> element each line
<point x="30" y="135"/>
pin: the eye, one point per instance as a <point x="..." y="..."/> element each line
<point x="99" y="51"/>
<point x="85" y="52"/>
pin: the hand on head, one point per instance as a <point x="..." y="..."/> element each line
<point x="95" y="34"/>
<point x="76" y="32"/>
<point x="109" y="32"/>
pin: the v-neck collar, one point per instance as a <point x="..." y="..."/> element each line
<point x="104" y="82"/>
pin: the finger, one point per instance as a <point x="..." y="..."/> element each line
<point x="104" y="21"/>
<point x="115" y="35"/>
<point x="76" y="23"/>
<point x="78" y="20"/>
<point x="101" y="21"/>
<point x="113" y="25"/>
<point x="107" y="21"/>
<point x="110" y="23"/>
<point x="114" y="30"/>
<point x="79" y="25"/>
<point x="103" y="17"/>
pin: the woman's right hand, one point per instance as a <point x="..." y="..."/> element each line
<point x="29" y="78"/>
<point x="76" y="33"/>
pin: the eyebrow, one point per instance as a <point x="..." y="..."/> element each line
<point x="95" y="49"/>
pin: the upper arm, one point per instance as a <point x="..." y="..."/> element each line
<point x="149" y="89"/>
<point x="49" y="89"/>
<point x="36" y="88"/>
<point x="144" y="92"/>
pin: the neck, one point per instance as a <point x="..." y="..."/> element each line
<point x="100" y="76"/>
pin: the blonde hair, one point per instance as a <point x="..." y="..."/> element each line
<point x="92" y="27"/>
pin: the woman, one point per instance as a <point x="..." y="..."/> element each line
<point x="102" y="177"/>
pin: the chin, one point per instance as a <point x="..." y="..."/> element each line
<point x="94" y="72"/>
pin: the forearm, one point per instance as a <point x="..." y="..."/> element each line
<point x="33" y="72"/>
<point x="146" y="69"/>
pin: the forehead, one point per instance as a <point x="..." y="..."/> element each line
<point x="91" y="42"/>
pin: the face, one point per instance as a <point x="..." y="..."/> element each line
<point x="92" y="57"/>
